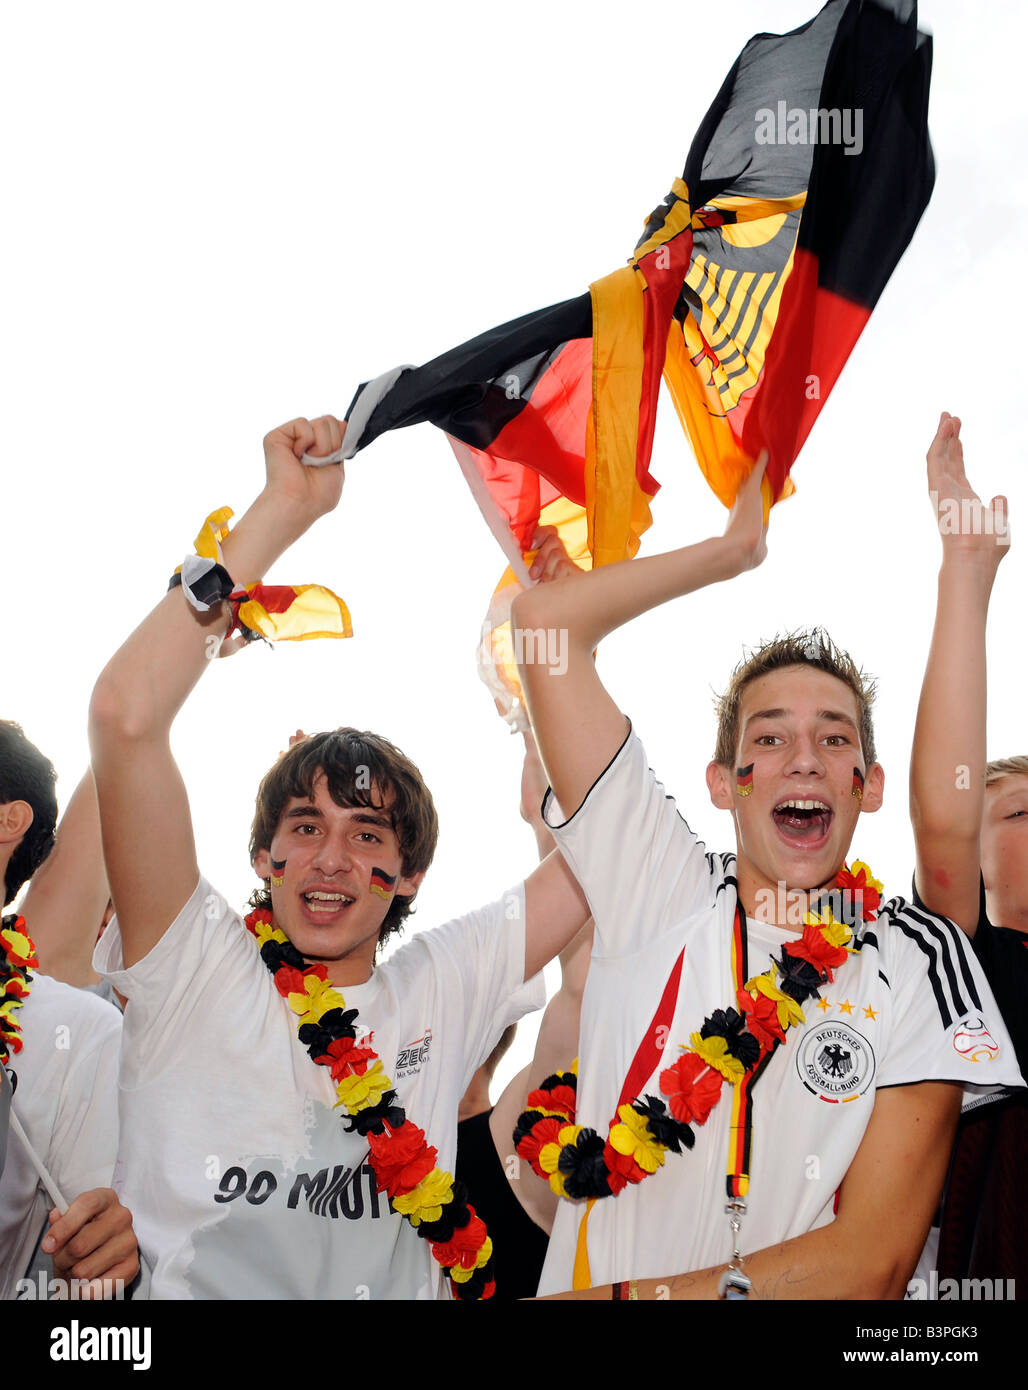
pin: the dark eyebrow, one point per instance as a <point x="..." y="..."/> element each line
<point x="833" y="715"/>
<point x="361" y="816"/>
<point x="837" y="717"/>
<point x="767" y="714"/>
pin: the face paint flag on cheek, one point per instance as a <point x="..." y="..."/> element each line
<point x="744" y="780"/>
<point x="382" y="883"/>
<point x="278" y="872"/>
<point x="858" y="784"/>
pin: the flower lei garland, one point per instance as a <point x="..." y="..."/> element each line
<point x="17" y="958"/>
<point x="402" y="1161"/>
<point x="578" y="1162"/>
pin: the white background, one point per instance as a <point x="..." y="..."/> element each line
<point x="220" y="216"/>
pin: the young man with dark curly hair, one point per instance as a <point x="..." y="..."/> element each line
<point x="243" y="1057"/>
<point x="28" y="796"/>
<point x="769" y="1077"/>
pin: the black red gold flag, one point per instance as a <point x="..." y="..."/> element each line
<point x="747" y="291"/>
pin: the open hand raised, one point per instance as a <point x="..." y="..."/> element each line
<point x="968" y="526"/>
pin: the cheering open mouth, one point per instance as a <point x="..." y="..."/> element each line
<point x="322" y="904"/>
<point x="803" y="823"/>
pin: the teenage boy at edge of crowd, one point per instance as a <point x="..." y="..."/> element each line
<point x="245" y="1181"/>
<point x="970" y="821"/>
<point x="517" y="1205"/>
<point x="840" y="1196"/>
<point x="963" y="824"/>
<point x="66" y="1096"/>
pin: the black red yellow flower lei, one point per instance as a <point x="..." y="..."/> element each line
<point x="17" y="958"/>
<point x="403" y="1162"/>
<point x="578" y="1162"/>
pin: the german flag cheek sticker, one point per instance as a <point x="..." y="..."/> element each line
<point x="278" y="872"/>
<point x="382" y="883"/>
<point x="744" y="780"/>
<point x="858" y="784"/>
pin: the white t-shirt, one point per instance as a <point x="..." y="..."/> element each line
<point x="67" y="1102"/>
<point x="5" y="1113"/>
<point x="906" y="1008"/>
<point x="241" y="1177"/>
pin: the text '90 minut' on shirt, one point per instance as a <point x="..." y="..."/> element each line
<point x="241" y="1177"/>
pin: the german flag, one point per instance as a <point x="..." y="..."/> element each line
<point x="382" y="883"/>
<point x="277" y="612"/>
<point x="749" y="287"/>
<point x="296" y="613"/>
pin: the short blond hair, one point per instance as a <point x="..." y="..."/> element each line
<point x="814" y="648"/>
<point x="1005" y="767"/>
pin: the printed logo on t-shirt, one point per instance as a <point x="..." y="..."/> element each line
<point x="973" y="1041"/>
<point x="410" y="1058"/>
<point x="835" y="1062"/>
<point x="314" y="1225"/>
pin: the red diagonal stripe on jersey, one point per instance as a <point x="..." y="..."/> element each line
<point x="650" y="1052"/>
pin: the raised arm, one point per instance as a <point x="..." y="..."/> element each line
<point x="578" y="725"/>
<point x="947" y="768"/>
<point x="556" y="1047"/>
<point x="144" y="811"/>
<point x="555" y="909"/>
<point x="68" y="893"/>
<point x="557" y="1041"/>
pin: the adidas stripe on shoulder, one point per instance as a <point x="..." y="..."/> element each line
<point x="945" y="951"/>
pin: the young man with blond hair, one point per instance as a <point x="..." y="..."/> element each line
<point x="1005" y="845"/>
<point x="824" y="1128"/>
